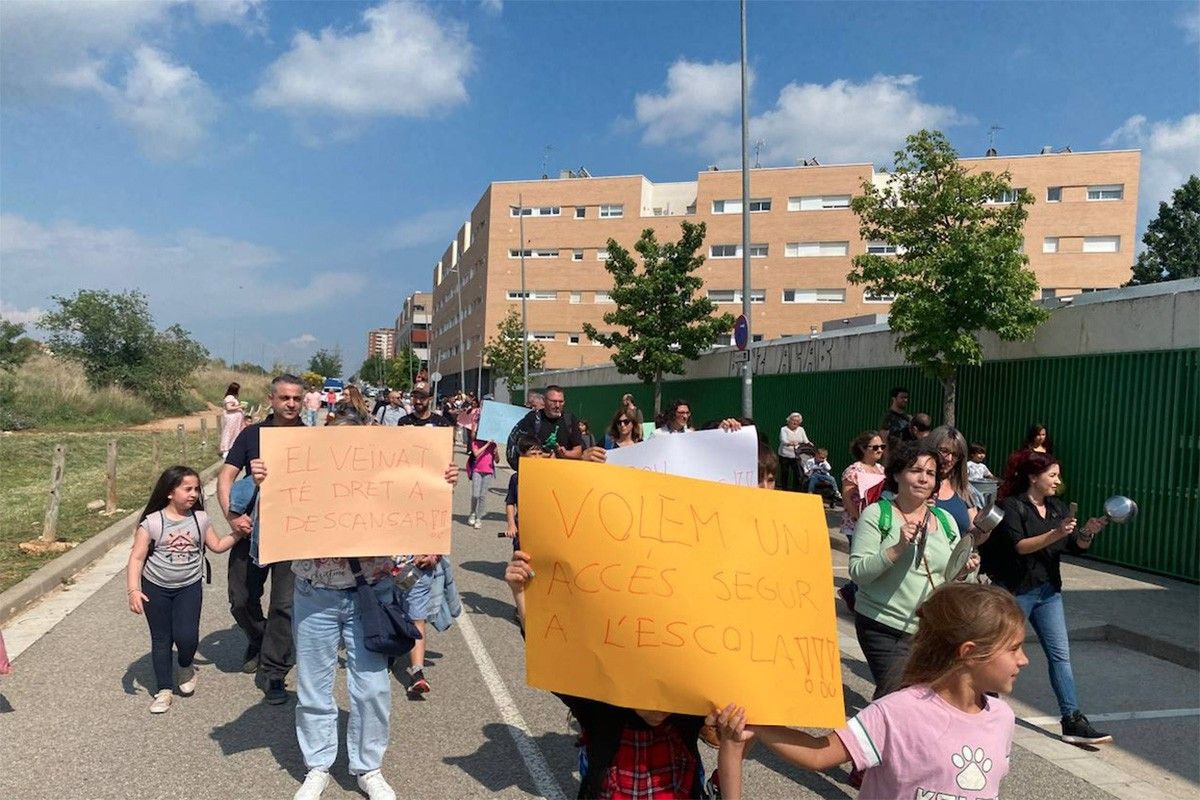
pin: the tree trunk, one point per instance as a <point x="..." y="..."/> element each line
<point x="949" y="398"/>
<point x="657" y="394"/>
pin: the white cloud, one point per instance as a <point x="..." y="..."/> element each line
<point x="248" y="15"/>
<point x="1170" y="153"/>
<point x="22" y="316"/>
<point x="431" y="227"/>
<point x="166" y="105"/>
<point x="303" y="341"/>
<point x="184" y="274"/>
<point x="493" y="7"/>
<point x="46" y="45"/>
<point x="839" y="122"/>
<point x="405" y="62"/>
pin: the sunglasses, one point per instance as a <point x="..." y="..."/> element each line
<point x="624" y="422"/>
<point x="877" y="447"/>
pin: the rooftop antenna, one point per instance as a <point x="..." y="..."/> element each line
<point x="758" y="147"/>
<point x="992" y="139"/>
<point x="546" y="161"/>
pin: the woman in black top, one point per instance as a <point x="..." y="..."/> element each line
<point x="1023" y="555"/>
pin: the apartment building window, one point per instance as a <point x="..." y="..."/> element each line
<point x="1114" y="192"/>
<point x="1102" y="244"/>
<point x="612" y="211"/>
<point x="828" y="202"/>
<point x="533" y="253"/>
<point x="1050" y="244"/>
<point x="873" y="297"/>
<point x="724" y="296"/>
<point x="1053" y="194"/>
<point x="580" y="212"/>
<point x="816" y="249"/>
<point x="1049" y="294"/>
<point x="883" y="249"/>
<point x="603" y="297"/>
<point x="532" y="295"/>
<point x="540" y="336"/>
<point x="735" y="206"/>
<point x="814" y="295"/>
<point x="577" y="255"/>
<point x="576" y="298"/>
<point x="573" y="339"/>
<point x="602" y="255"/>
<point x="759" y="250"/>
<point x="1006" y="198"/>
<point x="531" y="211"/>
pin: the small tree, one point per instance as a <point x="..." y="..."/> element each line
<point x="326" y="363"/>
<point x="313" y="379"/>
<point x="503" y="352"/>
<point x="400" y="369"/>
<point x="15" y="347"/>
<point x="1172" y="239"/>
<point x="958" y="267"/>
<point x="666" y="323"/>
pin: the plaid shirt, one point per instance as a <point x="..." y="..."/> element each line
<point x="651" y="764"/>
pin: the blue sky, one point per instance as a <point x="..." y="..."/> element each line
<point x="284" y="174"/>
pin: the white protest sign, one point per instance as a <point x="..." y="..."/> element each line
<point x="496" y="420"/>
<point x="722" y="456"/>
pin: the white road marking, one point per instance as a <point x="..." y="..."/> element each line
<point x="531" y="754"/>
<point x="1119" y="716"/>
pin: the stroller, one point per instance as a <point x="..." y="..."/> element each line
<point x="826" y="487"/>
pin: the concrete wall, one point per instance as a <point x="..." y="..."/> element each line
<point x="1160" y="317"/>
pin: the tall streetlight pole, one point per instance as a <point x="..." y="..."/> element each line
<point x="462" y="355"/>
<point x="524" y="301"/>
<point x="747" y="371"/>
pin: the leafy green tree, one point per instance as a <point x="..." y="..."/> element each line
<point x="326" y="363"/>
<point x="666" y="323"/>
<point x="959" y="266"/>
<point x="112" y="336"/>
<point x="15" y="347"/>
<point x="395" y="372"/>
<point x="503" y="353"/>
<point x="313" y="379"/>
<point x="1172" y="239"/>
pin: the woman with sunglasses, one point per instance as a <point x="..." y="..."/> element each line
<point x="623" y="431"/>
<point x="862" y="483"/>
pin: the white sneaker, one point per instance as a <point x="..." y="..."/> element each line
<point x="375" y="786"/>
<point x="478" y="524"/>
<point x="187" y="680"/>
<point x="162" y="702"/>
<point x="471" y="520"/>
<point x="314" y="783"/>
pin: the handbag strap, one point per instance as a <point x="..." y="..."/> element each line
<point x="356" y="570"/>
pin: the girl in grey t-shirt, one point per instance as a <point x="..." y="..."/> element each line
<point x="166" y="566"/>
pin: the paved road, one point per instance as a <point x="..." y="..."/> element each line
<point x="76" y="722"/>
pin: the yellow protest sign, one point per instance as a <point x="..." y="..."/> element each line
<point x="674" y="594"/>
<point x="354" y="491"/>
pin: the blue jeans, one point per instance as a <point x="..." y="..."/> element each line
<point x="320" y="619"/>
<point x="310" y="417"/>
<point x="1043" y="608"/>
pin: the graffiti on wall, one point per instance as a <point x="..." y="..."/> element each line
<point x="812" y="355"/>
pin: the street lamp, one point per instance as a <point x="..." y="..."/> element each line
<point x="747" y="372"/>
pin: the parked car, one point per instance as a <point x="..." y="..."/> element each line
<point x="335" y="385"/>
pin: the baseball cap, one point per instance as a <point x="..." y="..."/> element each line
<point x="421" y="389"/>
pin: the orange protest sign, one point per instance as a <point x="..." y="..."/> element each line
<point x="674" y="594"/>
<point x="354" y="491"/>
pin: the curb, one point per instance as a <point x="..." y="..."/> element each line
<point x="52" y="574"/>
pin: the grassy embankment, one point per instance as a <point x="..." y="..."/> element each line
<point x="68" y="412"/>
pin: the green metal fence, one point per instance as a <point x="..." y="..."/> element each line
<point x="1122" y="423"/>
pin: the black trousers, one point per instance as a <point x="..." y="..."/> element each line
<point x="886" y="650"/>
<point x="174" y="619"/>
<point x="271" y="635"/>
<point x="790" y="478"/>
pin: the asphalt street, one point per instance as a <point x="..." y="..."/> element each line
<point x="74" y="721"/>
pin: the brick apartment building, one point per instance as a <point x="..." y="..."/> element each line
<point x="413" y="323"/>
<point x="1079" y="237"/>
<point x="381" y="341"/>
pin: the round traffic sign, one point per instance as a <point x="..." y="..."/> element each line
<point x="435" y="377"/>
<point x="741" y="332"/>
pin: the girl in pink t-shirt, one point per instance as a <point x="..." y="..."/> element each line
<point x="944" y="734"/>
<point x="481" y="466"/>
